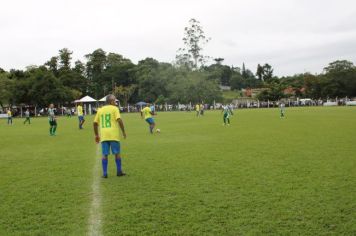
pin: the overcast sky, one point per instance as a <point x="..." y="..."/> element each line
<point x="293" y="36"/>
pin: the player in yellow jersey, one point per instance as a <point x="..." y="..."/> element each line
<point x="80" y="115"/>
<point x="197" y="109"/>
<point x="9" y="117"/>
<point x="147" y="114"/>
<point x="109" y="120"/>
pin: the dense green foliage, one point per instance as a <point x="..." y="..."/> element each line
<point x="194" y="178"/>
<point x="149" y="80"/>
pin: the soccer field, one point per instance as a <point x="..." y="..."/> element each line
<point x="261" y="175"/>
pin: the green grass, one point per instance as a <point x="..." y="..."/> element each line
<point x="231" y="95"/>
<point x="261" y="175"/>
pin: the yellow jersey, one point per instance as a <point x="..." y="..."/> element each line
<point x="9" y="114"/>
<point x="80" y="110"/>
<point x="107" y="118"/>
<point x="146" y="112"/>
<point x="197" y="107"/>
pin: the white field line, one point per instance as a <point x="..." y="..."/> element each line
<point x="94" y="227"/>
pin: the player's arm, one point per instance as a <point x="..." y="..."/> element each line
<point x="96" y="132"/>
<point x="122" y="127"/>
<point x="96" y="129"/>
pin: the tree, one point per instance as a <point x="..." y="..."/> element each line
<point x="194" y="39"/>
<point x="273" y="93"/>
<point x="52" y="65"/>
<point x="237" y="82"/>
<point x="339" y="66"/>
<point x="153" y="78"/>
<point x="45" y="88"/>
<point x="194" y="87"/>
<point x="244" y="73"/>
<point x="267" y="72"/>
<point x="6" y="86"/>
<point x="219" y="72"/>
<point x="65" y="57"/>
<point x="219" y="60"/>
<point x="125" y="93"/>
<point x="260" y="72"/>
<point x="340" y="79"/>
<point x="94" y="69"/>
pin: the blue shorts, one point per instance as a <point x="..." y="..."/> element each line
<point x="81" y="118"/>
<point x="150" y="120"/>
<point x="105" y="147"/>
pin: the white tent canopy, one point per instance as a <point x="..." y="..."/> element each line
<point x="87" y="107"/>
<point x="85" y="99"/>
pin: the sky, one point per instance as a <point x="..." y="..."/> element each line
<point x="294" y="36"/>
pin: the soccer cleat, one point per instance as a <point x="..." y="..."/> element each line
<point x="105" y="176"/>
<point x="121" y="174"/>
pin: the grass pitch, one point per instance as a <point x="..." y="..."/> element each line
<point x="261" y="175"/>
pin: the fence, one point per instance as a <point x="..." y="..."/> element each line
<point x="236" y="104"/>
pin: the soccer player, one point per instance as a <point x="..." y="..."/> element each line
<point x="9" y="116"/>
<point x="153" y="109"/>
<point x="146" y="113"/>
<point x="27" y="116"/>
<point x="201" y="109"/>
<point x="68" y="113"/>
<point x="80" y="115"/>
<point x="227" y="112"/>
<point x="283" y="109"/>
<point x="52" y="120"/>
<point x="109" y="120"/>
<point x="197" y="109"/>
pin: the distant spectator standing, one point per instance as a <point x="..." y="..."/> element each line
<point x="27" y="117"/>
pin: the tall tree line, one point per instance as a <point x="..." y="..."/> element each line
<point x="190" y="78"/>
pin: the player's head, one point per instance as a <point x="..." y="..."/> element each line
<point x="111" y="100"/>
<point x="147" y="104"/>
<point x="51" y="105"/>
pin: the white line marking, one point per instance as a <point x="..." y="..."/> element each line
<point x="94" y="227"/>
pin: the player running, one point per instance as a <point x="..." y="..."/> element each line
<point x="283" y="110"/>
<point x="153" y="109"/>
<point x="197" y="109"/>
<point x="27" y="117"/>
<point x="52" y="120"/>
<point x="80" y="115"/>
<point x="147" y="113"/>
<point x="9" y="117"/>
<point x="227" y="112"/>
<point x="108" y="118"/>
<point x="202" y="109"/>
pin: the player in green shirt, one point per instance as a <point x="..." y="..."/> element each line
<point x="227" y="112"/>
<point x="52" y="120"/>
<point x="283" y="110"/>
<point x="27" y="116"/>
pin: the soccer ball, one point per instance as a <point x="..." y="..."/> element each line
<point x="158" y="130"/>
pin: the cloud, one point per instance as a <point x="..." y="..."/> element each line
<point x="291" y="35"/>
